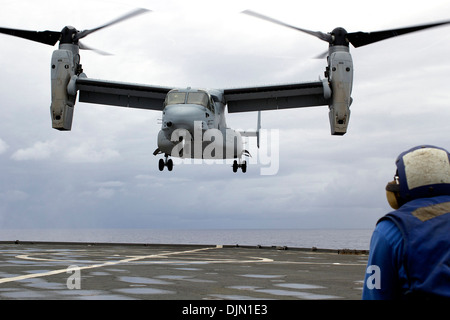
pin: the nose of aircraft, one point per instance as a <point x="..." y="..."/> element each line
<point x="184" y="116"/>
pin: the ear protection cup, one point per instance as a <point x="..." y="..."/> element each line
<point x="393" y="194"/>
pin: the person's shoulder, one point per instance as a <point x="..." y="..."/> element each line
<point x="389" y="232"/>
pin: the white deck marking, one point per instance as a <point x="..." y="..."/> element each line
<point x="110" y="263"/>
<point x="129" y="259"/>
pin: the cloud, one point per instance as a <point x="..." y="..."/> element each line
<point x="39" y="151"/>
<point x="84" y="152"/>
<point x="90" y="152"/>
<point x="103" y="171"/>
<point x="107" y="189"/>
<point x="13" y="195"/>
<point x="3" y="146"/>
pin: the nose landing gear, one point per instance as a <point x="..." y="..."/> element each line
<point x="165" y="163"/>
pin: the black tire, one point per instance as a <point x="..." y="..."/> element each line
<point x="244" y="167"/>
<point x="235" y="166"/>
<point x="169" y="164"/>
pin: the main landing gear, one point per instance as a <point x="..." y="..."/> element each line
<point x="165" y="163"/>
<point x="242" y="165"/>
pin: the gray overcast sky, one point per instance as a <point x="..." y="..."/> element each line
<point x="103" y="173"/>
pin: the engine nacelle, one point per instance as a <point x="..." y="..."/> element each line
<point x="63" y="68"/>
<point x="341" y="80"/>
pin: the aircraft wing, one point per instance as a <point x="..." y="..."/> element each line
<point x="121" y="94"/>
<point x="277" y="97"/>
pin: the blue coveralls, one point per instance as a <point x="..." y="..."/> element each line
<point x="410" y="252"/>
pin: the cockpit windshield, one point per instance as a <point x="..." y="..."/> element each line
<point x="200" y="98"/>
<point x="194" y="97"/>
<point x="175" y="98"/>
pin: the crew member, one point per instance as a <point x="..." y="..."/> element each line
<point x="410" y="247"/>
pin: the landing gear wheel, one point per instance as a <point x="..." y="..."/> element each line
<point x="161" y="165"/>
<point x="169" y="164"/>
<point x="235" y="166"/>
<point x="244" y="166"/>
<point x="165" y="163"/>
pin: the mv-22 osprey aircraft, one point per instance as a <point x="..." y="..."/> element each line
<point x="193" y="120"/>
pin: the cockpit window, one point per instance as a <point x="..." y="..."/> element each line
<point x="175" y="98"/>
<point x="199" y="97"/>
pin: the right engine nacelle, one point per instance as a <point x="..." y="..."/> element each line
<point x="63" y="68"/>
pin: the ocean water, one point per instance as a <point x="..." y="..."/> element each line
<point x="299" y="238"/>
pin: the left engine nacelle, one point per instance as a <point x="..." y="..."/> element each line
<point x="341" y="79"/>
<point x="63" y="68"/>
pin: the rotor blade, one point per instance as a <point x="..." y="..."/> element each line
<point x="322" y="55"/>
<point x="359" y="39"/>
<point x="318" y="34"/>
<point x="132" y="14"/>
<point x="46" y="37"/>
<point x="82" y="46"/>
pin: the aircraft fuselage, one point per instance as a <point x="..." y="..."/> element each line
<point x="194" y="126"/>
